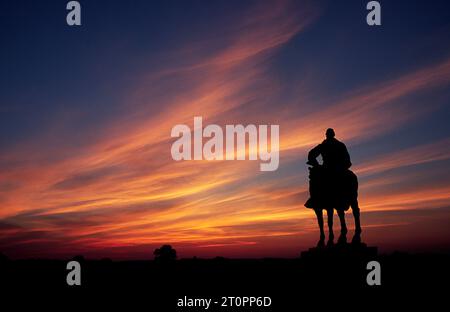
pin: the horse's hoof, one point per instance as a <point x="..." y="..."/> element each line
<point x="342" y="240"/>
<point x="321" y="243"/>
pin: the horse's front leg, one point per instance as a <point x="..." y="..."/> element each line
<point x="330" y="223"/>
<point x="341" y="214"/>
<point x="319" y="215"/>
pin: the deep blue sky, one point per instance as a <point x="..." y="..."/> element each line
<point x="48" y="67"/>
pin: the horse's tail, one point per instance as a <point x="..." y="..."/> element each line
<point x="353" y="184"/>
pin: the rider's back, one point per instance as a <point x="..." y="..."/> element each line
<point x="335" y="155"/>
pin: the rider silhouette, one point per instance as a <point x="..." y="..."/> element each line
<point x="334" y="153"/>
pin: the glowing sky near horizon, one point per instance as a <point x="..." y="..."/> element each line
<point x="86" y="115"/>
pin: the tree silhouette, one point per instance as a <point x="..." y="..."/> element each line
<point x="165" y="253"/>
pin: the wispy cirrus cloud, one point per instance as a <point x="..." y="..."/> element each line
<point x="122" y="189"/>
<point x="421" y="154"/>
<point x="370" y="111"/>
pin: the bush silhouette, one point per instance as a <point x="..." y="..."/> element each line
<point x="3" y="258"/>
<point x="165" y="253"/>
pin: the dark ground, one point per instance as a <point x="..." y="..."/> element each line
<point x="321" y="278"/>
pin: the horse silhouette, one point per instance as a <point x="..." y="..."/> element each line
<point x="331" y="190"/>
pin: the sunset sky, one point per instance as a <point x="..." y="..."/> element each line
<point x="86" y="115"/>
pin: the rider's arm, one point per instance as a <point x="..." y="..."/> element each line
<point x="313" y="154"/>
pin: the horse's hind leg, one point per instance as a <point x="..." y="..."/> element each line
<point x="319" y="215"/>
<point x="341" y="214"/>
<point x="354" y="203"/>
<point x="356" y="215"/>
